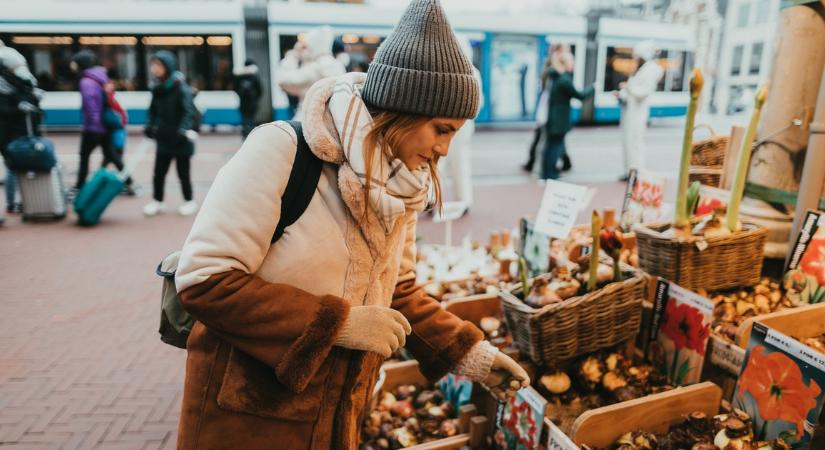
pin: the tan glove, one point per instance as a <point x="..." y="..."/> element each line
<point x="374" y="329"/>
<point x="506" y="377"/>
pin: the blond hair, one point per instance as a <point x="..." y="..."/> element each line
<point x="388" y="130"/>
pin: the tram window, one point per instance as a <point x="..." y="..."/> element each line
<point x="756" y="59"/>
<point x="49" y="59"/>
<point x="205" y="66"/>
<point x="675" y="65"/>
<point x="118" y="54"/>
<point x="619" y="66"/>
<point x="736" y="61"/>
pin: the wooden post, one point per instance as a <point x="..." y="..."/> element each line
<point x="465" y="413"/>
<point x="812" y="185"/>
<point x="478" y="431"/>
<point x="795" y="79"/>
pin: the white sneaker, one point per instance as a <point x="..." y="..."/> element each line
<point x="188" y="208"/>
<point x="154" y="208"/>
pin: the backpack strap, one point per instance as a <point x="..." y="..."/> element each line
<point x="303" y="180"/>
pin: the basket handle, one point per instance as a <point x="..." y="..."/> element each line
<point x="707" y="127"/>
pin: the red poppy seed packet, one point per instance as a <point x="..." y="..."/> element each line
<point x="805" y="274"/>
<point x="680" y="330"/>
<point x="781" y="387"/>
<point x="519" y="421"/>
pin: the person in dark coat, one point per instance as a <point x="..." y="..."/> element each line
<point x="93" y="79"/>
<point x="558" y="115"/>
<point x="19" y="97"/>
<point x="249" y="90"/>
<point x="171" y="122"/>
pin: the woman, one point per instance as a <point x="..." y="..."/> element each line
<point x="558" y="115"/>
<point x="634" y="95"/>
<point x="290" y="336"/>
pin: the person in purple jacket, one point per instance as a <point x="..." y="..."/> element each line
<point x="93" y="78"/>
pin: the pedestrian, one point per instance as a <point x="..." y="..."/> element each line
<point x="115" y="118"/>
<point x="290" y="336"/>
<point x="541" y="111"/>
<point x="249" y="89"/>
<point x="339" y="51"/>
<point x="634" y="95"/>
<point x="171" y="123"/>
<point x="459" y="165"/>
<point x="95" y="133"/>
<point x="19" y="97"/>
<point x="309" y="61"/>
<point x="558" y="112"/>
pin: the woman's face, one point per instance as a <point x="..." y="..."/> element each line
<point x="429" y="139"/>
<point x="158" y="70"/>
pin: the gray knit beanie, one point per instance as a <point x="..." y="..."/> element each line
<point x="421" y="69"/>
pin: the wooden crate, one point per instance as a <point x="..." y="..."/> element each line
<point x="601" y="427"/>
<point x="406" y="372"/>
<point x="475" y="307"/>
<point x="799" y="323"/>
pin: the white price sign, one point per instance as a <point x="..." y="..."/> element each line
<point x="557" y="440"/>
<point x="560" y="206"/>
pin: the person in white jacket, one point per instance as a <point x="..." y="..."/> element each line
<point x="634" y="95"/>
<point x="309" y="61"/>
<point x="459" y="165"/>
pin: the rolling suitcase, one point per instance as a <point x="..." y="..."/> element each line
<point x="44" y="198"/>
<point x="99" y="192"/>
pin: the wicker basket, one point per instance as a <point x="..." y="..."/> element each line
<point x="715" y="263"/>
<point x="707" y="158"/>
<point x="578" y="325"/>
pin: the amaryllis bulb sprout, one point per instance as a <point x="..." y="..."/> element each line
<point x="682" y="219"/>
<point x="595" y="228"/>
<point x="732" y="218"/>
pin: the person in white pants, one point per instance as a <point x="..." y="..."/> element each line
<point x="459" y="165"/>
<point x="634" y="97"/>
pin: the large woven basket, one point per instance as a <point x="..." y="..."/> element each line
<point x="578" y="325"/>
<point x="714" y="263"/>
<point x="708" y="158"/>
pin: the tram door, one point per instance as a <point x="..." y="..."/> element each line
<point x="514" y="72"/>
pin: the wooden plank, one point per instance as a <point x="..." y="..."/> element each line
<point x="475" y="308"/>
<point x="737" y="133"/>
<point x="403" y="372"/>
<point x="798" y="323"/>
<point x="450" y="443"/>
<point x="655" y="413"/>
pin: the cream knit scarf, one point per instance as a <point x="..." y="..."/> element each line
<point x="393" y="188"/>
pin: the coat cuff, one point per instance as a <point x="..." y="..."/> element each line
<point x="439" y="362"/>
<point x="478" y="362"/>
<point x="310" y="350"/>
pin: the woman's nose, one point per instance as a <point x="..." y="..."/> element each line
<point x="441" y="149"/>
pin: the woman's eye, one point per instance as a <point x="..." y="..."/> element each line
<point x="442" y="131"/>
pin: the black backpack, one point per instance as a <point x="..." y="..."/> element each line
<point x="175" y="322"/>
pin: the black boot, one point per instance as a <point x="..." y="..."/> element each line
<point x="565" y="163"/>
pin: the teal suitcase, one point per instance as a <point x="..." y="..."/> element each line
<point x="96" y="195"/>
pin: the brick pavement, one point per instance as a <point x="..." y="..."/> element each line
<point x="81" y="365"/>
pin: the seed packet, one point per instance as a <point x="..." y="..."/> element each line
<point x="681" y="329"/>
<point x="643" y="202"/>
<point x="781" y="387"/>
<point x="519" y="421"/>
<point x="805" y="274"/>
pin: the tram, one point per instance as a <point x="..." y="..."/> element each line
<point x="212" y="37"/>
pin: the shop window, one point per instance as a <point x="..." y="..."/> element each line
<point x="743" y="15"/>
<point x="763" y="10"/>
<point x="756" y="59"/>
<point x="736" y="60"/>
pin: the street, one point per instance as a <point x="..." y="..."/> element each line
<point x="81" y="364"/>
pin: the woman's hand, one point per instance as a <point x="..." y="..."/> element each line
<point x="374" y="329"/>
<point x="506" y="377"/>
